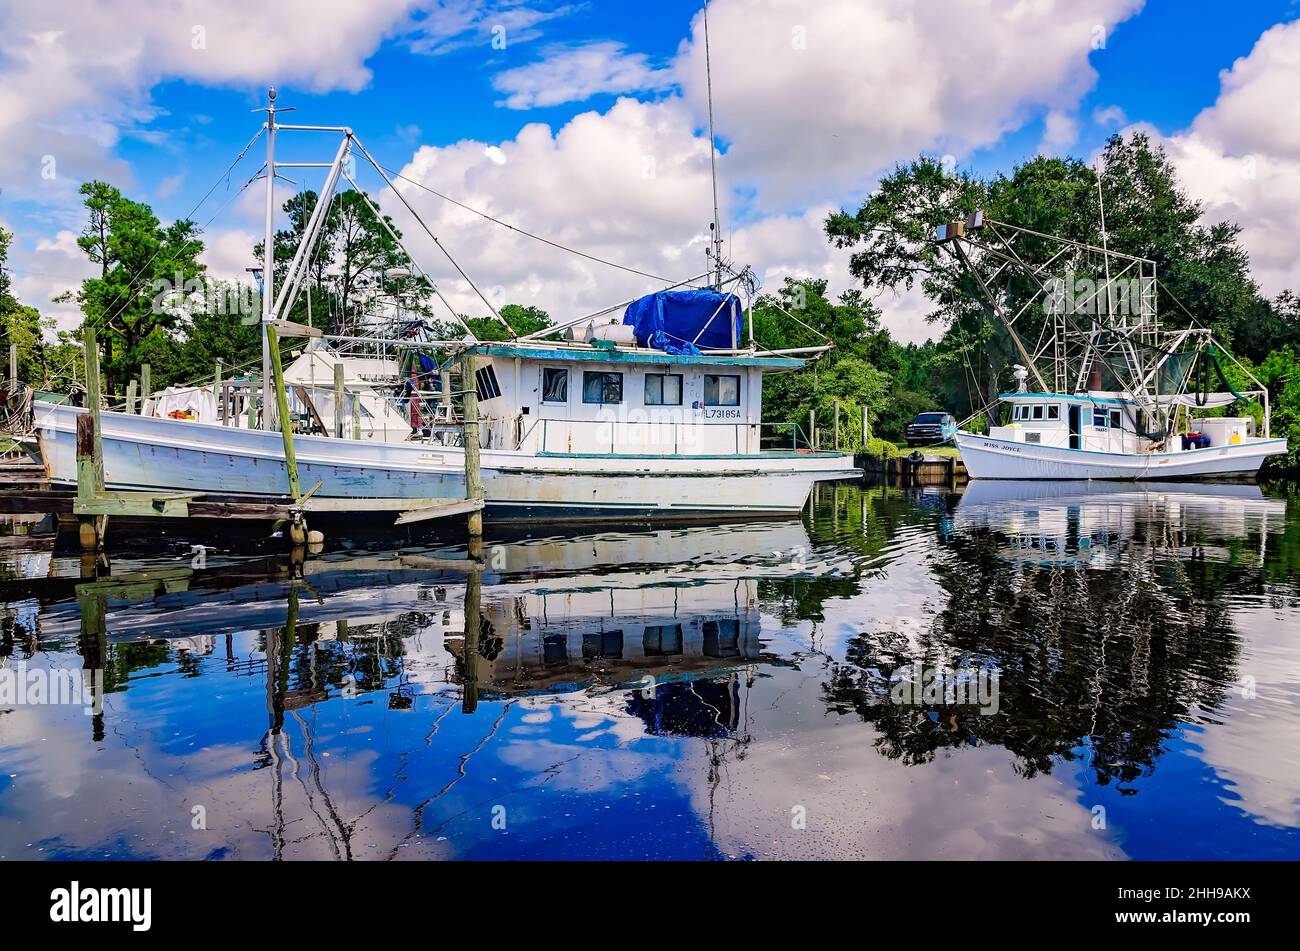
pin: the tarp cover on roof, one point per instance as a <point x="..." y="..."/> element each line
<point x="672" y="320"/>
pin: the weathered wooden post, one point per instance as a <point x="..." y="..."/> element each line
<point x="473" y="476"/>
<point x="90" y="449"/>
<point x="13" y="367"/>
<point x="339" y="395"/>
<point x="146" y="383"/>
<point x="356" y="418"/>
<point x="812" y="429"/>
<point x="297" y="529"/>
<point x="130" y="397"/>
<point x="837" y="425"/>
<point x="216" y="381"/>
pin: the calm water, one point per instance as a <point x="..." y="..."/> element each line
<point x="731" y="692"/>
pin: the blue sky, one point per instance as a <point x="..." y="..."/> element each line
<point x="800" y="133"/>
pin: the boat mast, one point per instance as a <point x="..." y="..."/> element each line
<point x="716" y="227"/>
<point x="268" y="258"/>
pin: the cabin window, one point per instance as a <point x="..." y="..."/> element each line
<point x="1054" y="411"/>
<point x="555" y="385"/>
<point x="1019" y="412"/>
<point x="1038" y="411"/>
<point x="598" y="387"/>
<point x="1116" y="419"/>
<point x="486" y="380"/>
<point x="663" y="389"/>
<point x="721" y="390"/>
<point x="1099" y="418"/>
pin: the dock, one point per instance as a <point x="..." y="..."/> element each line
<point x="918" y="468"/>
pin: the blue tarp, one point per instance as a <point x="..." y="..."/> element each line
<point x="671" y="320"/>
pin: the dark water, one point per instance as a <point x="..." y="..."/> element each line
<point x="682" y="693"/>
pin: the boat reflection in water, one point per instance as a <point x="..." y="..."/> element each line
<point x="1087" y="523"/>
<point x="692" y="692"/>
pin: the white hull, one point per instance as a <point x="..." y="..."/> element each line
<point x="163" y="454"/>
<point x="988" y="458"/>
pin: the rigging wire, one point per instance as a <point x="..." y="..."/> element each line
<point x="527" y="234"/>
<point x="225" y="176"/>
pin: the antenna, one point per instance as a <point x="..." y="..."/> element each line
<point x="715" y="228"/>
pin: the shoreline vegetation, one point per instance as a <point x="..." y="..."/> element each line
<point x="151" y="301"/>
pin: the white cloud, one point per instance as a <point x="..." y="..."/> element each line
<point x="1241" y="156"/>
<point x="445" y="26"/>
<point x="1109" y="116"/>
<point x="75" y="77"/>
<point x="1060" y="132"/>
<point x="815" y="98"/>
<point x="576" y="73"/>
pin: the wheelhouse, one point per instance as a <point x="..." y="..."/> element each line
<point x="597" y="398"/>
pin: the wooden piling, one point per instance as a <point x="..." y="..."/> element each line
<point x="146" y="383"/>
<point x="837" y="426"/>
<point x="812" y="429"/>
<point x="90" y="449"/>
<point x="130" y="397"/>
<point x="13" y="367"/>
<point x="282" y="405"/>
<point x="339" y="395"/>
<point x="473" y="476"/>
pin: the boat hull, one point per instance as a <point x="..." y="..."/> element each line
<point x="988" y="458"/>
<point x="162" y="454"/>
<point x="147" y="453"/>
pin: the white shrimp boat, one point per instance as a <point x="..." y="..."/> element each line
<point x="1093" y="436"/>
<point x="571" y="431"/>
<point x="1116" y="395"/>
<point x="655" y="413"/>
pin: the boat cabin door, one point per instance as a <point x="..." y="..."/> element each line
<point x="1074" y="425"/>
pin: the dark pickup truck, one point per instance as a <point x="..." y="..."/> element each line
<point x="930" y="429"/>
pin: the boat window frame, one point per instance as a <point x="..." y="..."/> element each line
<point x="1116" y="419"/>
<point x="607" y="374"/>
<point x="1054" y="412"/>
<point x="681" y="389"/>
<point x="542" y="393"/>
<point x="718" y="377"/>
<point x="1099" y="412"/>
<point x="1038" y="413"/>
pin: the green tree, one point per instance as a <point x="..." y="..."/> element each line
<point x="22" y="326"/>
<point x="354" y="261"/>
<point x="143" y="266"/>
<point x="522" y="319"/>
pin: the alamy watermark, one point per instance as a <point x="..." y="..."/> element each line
<point x="1073" y="294"/>
<point x="178" y="294"/>
<point x="21" y="686"/>
<point x="923" y="685"/>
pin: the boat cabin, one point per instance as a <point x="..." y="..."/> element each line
<point x="602" y="397"/>
<point x="1094" y="423"/>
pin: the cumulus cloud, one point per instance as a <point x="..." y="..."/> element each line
<point x="1241" y="156"/>
<point x="815" y="98"/>
<point x="576" y="73"/>
<point x="75" y="78"/>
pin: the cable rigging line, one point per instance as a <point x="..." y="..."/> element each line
<point x="526" y="234"/>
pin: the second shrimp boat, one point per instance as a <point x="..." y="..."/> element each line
<point x="654" y="413"/>
<point x="1106" y="392"/>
